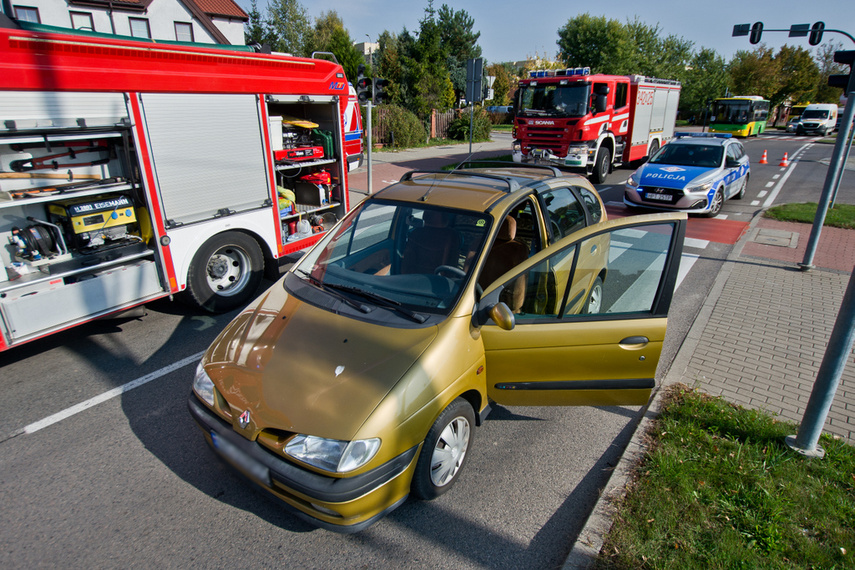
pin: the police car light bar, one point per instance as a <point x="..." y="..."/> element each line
<point x="707" y="135"/>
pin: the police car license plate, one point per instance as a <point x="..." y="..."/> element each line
<point x="240" y="459"/>
<point x="663" y="197"/>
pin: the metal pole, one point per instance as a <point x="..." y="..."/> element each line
<point x="843" y="171"/>
<point x="835" y="167"/>
<point x="471" y="121"/>
<point x="828" y="378"/>
<point x="370" y="144"/>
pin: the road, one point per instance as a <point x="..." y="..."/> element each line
<point x="94" y="478"/>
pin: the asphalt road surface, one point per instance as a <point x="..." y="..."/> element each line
<point x="102" y="466"/>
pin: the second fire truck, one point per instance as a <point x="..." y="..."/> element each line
<point x="577" y="120"/>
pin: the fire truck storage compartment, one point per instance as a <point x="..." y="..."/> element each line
<point x="75" y="233"/>
<point x="33" y="310"/>
<point x="208" y="154"/>
<point x="314" y="182"/>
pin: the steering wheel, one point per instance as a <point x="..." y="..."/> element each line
<point x="455" y="271"/>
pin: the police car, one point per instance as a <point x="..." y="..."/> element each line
<point x="694" y="173"/>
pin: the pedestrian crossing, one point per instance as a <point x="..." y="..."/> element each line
<point x="789" y="137"/>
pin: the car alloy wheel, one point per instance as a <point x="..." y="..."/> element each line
<point x="444" y="450"/>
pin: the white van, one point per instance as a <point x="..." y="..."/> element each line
<point x="818" y="118"/>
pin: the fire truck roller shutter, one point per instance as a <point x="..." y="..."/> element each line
<point x="207" y="154"/>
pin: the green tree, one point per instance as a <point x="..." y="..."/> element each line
<point x="502" y="84"/>
<point x="705" y="79"/>
<point x="825" y="60"/>
<point x="459" y="42"/>
<point x="289" y="22"/>
<point x="592" y="41"/>
<point x="330" y="35"/>
<point x="799" y="76"/>
<point x="754" y="72"/>
<point x="257" y="30"/>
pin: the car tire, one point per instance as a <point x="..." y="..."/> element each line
<point x="594" y="303"/>
<point x="741" y="194"/>
<point x="444" y="451"/>
<point x="601" y="166"/>
<point x="717" y="203"/>
<point x="225" y="272"/>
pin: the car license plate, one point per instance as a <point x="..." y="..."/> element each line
<point x="237" y="456"/>
<point x="659" y="197"/>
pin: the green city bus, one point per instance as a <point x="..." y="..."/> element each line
<point x="741" y="116"/>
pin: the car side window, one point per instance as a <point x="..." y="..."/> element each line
<point x="564" y="211"/>
<point x="733" y="152"/>
<point x="592" y="205"/>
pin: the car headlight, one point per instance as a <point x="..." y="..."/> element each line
<point x="705" y="187"/>
<point x="203" y="386"/>
<point x="634" y="180"/>
<point x="332" y="454"/>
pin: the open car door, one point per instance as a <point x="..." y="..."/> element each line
<point x="592" y="325"/>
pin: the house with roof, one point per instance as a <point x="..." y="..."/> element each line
<point x="203" y="21"/>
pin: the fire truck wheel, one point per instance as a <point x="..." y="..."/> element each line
<point x="601" y="166"/>
<point x="225" y="273"/>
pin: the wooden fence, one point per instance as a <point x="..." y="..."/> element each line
<point x="440" y="121"/>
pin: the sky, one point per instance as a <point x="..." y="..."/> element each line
<point x="512" y="31"/>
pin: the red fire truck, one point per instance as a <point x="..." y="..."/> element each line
<point x="133" y="170"/>
<point x="573" y="119"/>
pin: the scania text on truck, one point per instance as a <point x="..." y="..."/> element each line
<point x="132" y="170"/>
<point x="573" y="119"/>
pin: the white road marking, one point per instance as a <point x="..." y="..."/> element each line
<point x="110" y="394"/>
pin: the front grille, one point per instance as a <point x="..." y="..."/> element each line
<point x="669" y="196"/>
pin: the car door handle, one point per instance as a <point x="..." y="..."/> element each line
<point x="635" y="341"/>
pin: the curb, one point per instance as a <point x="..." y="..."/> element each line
<point x="590" y="541"/>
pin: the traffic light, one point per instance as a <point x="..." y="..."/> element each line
<point x="847" y="82"/>
<point x="380" y="86"/>
<point x="756" y="32"/>
<point x="363" y="85"/>
<point x="816" y="33"/>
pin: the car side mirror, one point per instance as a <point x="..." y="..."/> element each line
<point x="502" y="315"/>
<point x="731" y="163"/>
<point x="491" y="308"/>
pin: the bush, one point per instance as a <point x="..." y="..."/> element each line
<point x="399" y="128"/>
<point x="459" y="127"/>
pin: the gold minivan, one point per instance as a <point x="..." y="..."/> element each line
<point x="359" y="377"/>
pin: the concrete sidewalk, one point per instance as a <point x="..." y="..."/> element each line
<point x="758" y="342"/>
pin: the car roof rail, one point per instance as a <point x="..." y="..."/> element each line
<point x="512" y="184"/>
<point x="556" y="172"/>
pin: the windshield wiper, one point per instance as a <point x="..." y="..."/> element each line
<point x="386" y="301"/>
<point x="328" y="288"/>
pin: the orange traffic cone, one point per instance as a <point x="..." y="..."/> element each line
<point x="763" y="158"/>
<point x="784" y="161"/>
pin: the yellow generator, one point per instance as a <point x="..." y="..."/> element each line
<point x="95" y="222"/>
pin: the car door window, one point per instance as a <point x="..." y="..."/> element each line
<point x="564" y="211"/>
<point x="591" y="204"/>
<point x="624" y="268"/>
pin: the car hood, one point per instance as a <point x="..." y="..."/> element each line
<point x="303" y="369"/>
<point x="672" y="176"/>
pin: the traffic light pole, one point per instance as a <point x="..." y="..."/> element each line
<point x="370" y="143"/>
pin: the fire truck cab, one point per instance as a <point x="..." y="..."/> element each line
<point x="573" y="119"/>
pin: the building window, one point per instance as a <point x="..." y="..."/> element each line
<point x="139" y="28"/>
<point x="183" y="32"/>
<point x="82" y="21"/>
<point x="27" y="14"/>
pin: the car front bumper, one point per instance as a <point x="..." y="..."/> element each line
<point x="341" y="504"/>
<point x="672" y="199"/>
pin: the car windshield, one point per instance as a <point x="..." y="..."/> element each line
<point x="708" y="156"/>
<point x="554" y="100"/>
<point x="815" y="114"/>
<point x="406" y="258"/>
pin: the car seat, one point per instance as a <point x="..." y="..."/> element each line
<point x="431" y="245"/>
<point x="506" y="254"/>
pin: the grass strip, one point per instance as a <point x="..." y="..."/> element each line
<point x="719" y="488"/>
